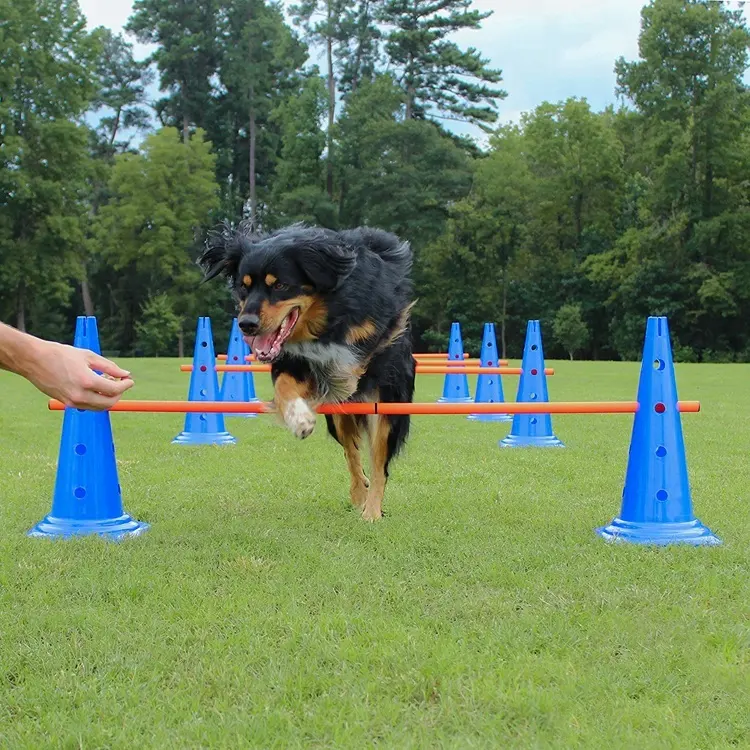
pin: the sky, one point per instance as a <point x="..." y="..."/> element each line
<point x="547" y="50"/>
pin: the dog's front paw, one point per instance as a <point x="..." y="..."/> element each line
<point x="299" y="418"/>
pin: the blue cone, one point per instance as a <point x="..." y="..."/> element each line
<point x="489" y="387"/>
<point x="204" y="429"/>
<point x="532" y="430"/>
<point x="656" y="504"/>
<point x="237" y="386"/>
<point x="455" y="387"/>
<point x="87" y="498"/>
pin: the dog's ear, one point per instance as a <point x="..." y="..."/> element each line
<point x="221" y="255"/>
<point x="326" y="260"/>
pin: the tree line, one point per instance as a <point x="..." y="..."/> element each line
<point x="338" y="113"/>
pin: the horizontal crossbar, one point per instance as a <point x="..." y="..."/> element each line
<point x="421" y="369"/>
<point x="260" y="407"/>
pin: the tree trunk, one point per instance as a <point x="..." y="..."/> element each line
<point x="185" y="128"/>
<point x="21" y="309"/>
<point x="502" y="318"/>
<point x="115" y="127"/>
<point x="88" y="303"/>
<point x="571" y="356"/>
<point x="251" y="165"/>
<point x="331" y="105"/>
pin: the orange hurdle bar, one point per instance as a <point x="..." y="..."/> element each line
<point x="255" y="407"/>
<point x="417" y="357"/>
<point x="423" y="369"/>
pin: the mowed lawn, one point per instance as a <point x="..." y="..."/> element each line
<point x="259" y="611"/>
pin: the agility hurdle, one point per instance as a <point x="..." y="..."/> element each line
<point x="393" y="407"/>
<point x="656" y="506"/>
<point x="423" y="369"/>
<point x="418" y="358"/>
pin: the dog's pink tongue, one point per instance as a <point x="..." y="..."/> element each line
<point x="261" y="345"/>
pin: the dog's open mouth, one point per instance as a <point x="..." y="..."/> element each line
<point x="267" y="346"/>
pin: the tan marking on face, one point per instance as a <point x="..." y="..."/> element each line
<point x="271" y="279"/>
<point x="361" y="332"/>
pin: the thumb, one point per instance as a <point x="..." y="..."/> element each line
<point x="96" y="362"/>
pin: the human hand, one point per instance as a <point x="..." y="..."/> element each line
<point x="66" y="373"/>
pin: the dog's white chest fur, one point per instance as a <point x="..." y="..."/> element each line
<point x="333" y="366"/>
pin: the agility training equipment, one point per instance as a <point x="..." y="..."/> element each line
<point x="423" y="369"/>
<point x="455" y="385"/>
<point x="237" y="386"/>
<point x="394" y="407"/>
<point x="87" y="497"/>
<point x="656" y="502"/>
<point x="204" y="428"/>
<point x="489" y="386"/>
<point x="532" y="430"/>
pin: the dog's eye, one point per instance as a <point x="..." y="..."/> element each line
<point x="279" y="287"/>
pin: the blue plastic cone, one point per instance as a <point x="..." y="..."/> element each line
<point x="532" y="430"/>
<point x="489" y="387"/>
<point x="204" y="429"/>
<point x="455" y="386"/>
<point x="237" y="386"/>
<point x="87" y="497"/>
<point x="656" y="505"/>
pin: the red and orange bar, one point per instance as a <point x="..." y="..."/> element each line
<point x="256" y="407"/>
<point x="423" y="369"/>
<point x="437" y="359"/>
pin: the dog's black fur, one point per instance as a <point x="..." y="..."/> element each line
<point x="353" y="293"/>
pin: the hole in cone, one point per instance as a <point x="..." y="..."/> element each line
<point x="203" y="368"/>
<point x="659" y="364"/>
<point x="80" y="493"/>
<point x="533" y="420"/>
<point x="235" y="358"/>
<point x="534" y="347"/>
<point x="532" y="396"/>
<point x="661" y="451"/>
<point x="204" y="343"/>
<point x="535" y="371"/>
<point x="204" y="392"/>
<point x="660" y="408"/>
<point x="662" y="495"/>
<point x="80" y="449"/>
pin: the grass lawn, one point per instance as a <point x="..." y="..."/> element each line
<point x="259" y="611"/>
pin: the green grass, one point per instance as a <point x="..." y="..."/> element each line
<point x="259" y="611"/>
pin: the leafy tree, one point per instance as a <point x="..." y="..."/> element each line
<point x="122" y="90"/>
<point x="46" y="83"/>
<point x="570" y="330"/>
<point x="259" y="65"/>
<point x="186" y="37"/>
<point x="439" y="79"/>
<point x="162" y="198"/>
<point x="158" y="327"/>
<point x="299" y="192"/>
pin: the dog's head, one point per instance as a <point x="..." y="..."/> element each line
<point x="280" y="281"/>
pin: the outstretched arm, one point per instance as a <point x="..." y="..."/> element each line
<point x="63" y="372"/>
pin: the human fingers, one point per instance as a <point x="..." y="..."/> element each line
<point x="97" y="362"/>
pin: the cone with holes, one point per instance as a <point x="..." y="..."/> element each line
<point x="532" y="430"/>
<point x="656" y="503"/>
<point x="87" y="498"/>
<point x="204" y="429"/>
<point x="489" y="387"/>
<point x="237" y="386"/>
<point x="455" y="385"/>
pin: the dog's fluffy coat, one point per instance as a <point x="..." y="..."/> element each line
<point x="330" y="310"/>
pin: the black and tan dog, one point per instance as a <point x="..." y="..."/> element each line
<point x="330" y="310"/>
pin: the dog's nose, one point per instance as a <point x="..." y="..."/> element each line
<point x="249" y="324"/>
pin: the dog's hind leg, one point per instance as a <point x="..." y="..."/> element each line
<point x="346" y="430"/>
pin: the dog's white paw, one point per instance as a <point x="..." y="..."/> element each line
<point x="299" y="418"/>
